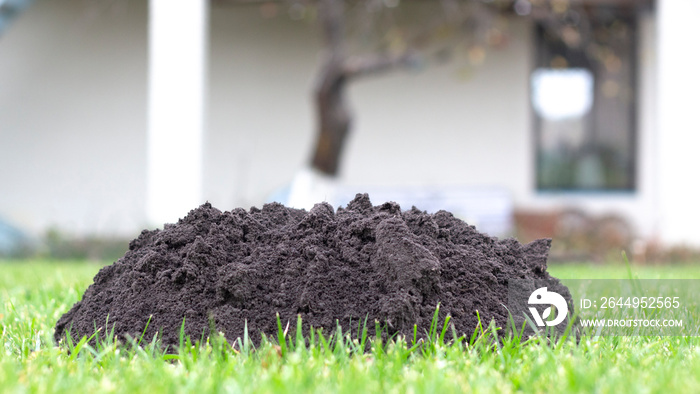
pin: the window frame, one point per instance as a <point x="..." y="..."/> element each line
<point x="540" y="51"/>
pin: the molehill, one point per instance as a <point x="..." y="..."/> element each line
<point x="218" y="270"/>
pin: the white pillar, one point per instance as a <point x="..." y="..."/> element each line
<point x="678" y="124"/>
<point x="177" y="79"/>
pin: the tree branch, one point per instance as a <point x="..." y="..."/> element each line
<point x="333" y="24"/>
<point x="357" y="66"/>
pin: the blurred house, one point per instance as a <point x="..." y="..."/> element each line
<point x="227" y="116"/>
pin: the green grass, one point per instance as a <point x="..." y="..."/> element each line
<point x="33" y="295"/>
<point x="620" y="271"/>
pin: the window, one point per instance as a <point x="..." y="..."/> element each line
<point x="583" y="98"/>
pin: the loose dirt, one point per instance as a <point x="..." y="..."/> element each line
<point x="218" y="270"/>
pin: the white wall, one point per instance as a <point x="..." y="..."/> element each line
<point x="73" y="116"/>
<point x="260" y="125"/>
<point x="436" y="127"/>
<point x="679" y="132"/>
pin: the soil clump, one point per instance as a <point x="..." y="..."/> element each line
<point x="219" y="270"/>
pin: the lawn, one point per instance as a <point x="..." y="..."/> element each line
<point x="35" y="294"/>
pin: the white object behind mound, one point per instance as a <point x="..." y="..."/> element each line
<point x="489" y="208"/>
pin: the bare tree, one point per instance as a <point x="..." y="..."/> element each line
<point x="467" y="22"/>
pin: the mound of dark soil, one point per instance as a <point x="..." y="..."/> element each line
<point x="220" y="269"/>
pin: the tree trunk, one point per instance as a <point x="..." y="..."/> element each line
<point x="333" y="120"/>
<point x="333" y="117"/>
